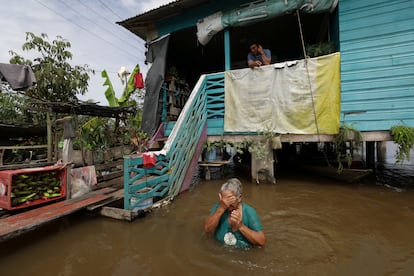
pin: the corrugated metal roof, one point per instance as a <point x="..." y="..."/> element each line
<point x="150" y="11"/>
<point x="145" y="23"/>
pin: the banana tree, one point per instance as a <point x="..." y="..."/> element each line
<point x="92" y="130"/>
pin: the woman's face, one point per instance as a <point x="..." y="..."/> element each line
<point x="236" y="203"/>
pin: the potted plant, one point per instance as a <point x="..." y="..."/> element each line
<point x="139" y="141"/>
<point x="320" y="49"/>
<point x="404" y="137"/>
<point x="347" y="135"/>
<point x="210" y="151"/>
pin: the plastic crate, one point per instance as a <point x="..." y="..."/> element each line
<point x="37" y="185"/>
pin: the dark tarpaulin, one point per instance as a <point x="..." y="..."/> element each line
<point x="156" y="55"/>
<point x="20" y="77"/>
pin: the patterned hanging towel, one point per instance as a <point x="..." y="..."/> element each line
<point x="149" y="159"/>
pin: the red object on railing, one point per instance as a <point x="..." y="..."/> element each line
<point x="149" y="159"/>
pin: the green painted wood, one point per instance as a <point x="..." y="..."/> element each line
<point x="127" y="173"/>
<point x="381" y="93"/>
<point x="227" y="56"/>
<point x="148" y="183"/>
<point x="184" y="142"/>
<point x="167" y="176"/>
<point x="168" y="128"/>
<point x="377" y="63"/>
<point x="136" y="178"/>
<point x="381" y="52"/>
<point x="377" y="124"/>
<point x="372" y="85"/>
<point x="372" y="116"/>
<point x="215" y="123"/>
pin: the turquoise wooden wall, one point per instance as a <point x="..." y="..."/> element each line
<point x="377" y="63"/>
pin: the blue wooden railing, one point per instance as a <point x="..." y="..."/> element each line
<point x="173" y="163"/>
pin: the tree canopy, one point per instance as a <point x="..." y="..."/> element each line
<point x="57" y="80"/>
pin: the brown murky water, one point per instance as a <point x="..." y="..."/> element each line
<point x="314" y="226"/>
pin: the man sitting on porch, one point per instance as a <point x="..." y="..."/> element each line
<point x="258" y="56"/>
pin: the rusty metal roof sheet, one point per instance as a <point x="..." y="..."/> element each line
<point x="144" y="23"/>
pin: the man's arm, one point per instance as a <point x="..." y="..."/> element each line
<point x="266" y="57"/>
<point x="253" y="64"/>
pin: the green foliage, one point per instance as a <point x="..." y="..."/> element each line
<point x="209" y="145"/>
<point x="139" y="140"/>
<point x="320" y="49"/>
<point x="261" y="146"/>
<point x="94" y="134"/>
<point x="347" y="134"/>
<point x="109" y="92"/>
<point x="127" y="99"/>
<point x="56" y="79"/>
<point x="130" y="87"/>
<point x="404" y="137"/>
<point x="127" y="93"/>
<point x="99" y="134"/>
<point x="223" y="145"/>
<point x="12" y="107"/>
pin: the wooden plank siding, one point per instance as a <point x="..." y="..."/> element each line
<point x="377" y="63"/>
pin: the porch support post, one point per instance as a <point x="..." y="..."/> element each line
<point x="262" y="169"/>
<point x="381" y="151"/>
<point x="227" y="49"/>
<point x="370" y="153"/>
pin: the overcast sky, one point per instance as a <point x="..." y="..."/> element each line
<point x="90" y="28"/>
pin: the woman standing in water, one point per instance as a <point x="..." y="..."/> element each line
<point x="232" y="221"/>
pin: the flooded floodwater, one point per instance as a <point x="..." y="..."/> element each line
<point x="313" y="225"/>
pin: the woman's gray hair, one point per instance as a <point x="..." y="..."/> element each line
<point x="233" y="185"/>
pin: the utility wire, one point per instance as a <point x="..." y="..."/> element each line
<point x="100" y="16"/>
<point x="85" y="29"/>
<point x="91" y="21"/>
<point x="109" y="8"/>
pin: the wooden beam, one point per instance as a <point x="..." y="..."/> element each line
<point x="49" y="137"/>
<point x="367" y="136"/>
<point x="15" y="225"/>
<point x="116" y="213"/>
<point x="115" y="196"/>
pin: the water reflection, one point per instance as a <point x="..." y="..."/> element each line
<point x="396" y="176"/>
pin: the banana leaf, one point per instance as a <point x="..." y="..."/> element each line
<point x="130" y="87"/>
<point x="109" y="93"/>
